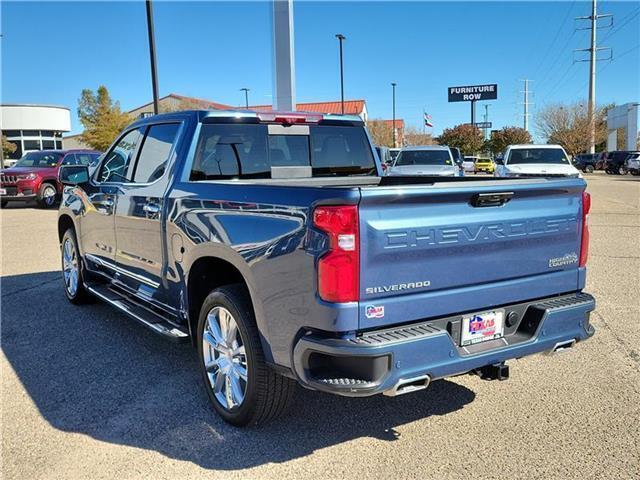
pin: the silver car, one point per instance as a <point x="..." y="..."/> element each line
<point x="432" y="160"/>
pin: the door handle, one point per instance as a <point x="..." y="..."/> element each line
<point x="151" y="208"/>
<point x="105" y="205"/>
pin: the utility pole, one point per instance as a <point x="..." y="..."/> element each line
<point x="473" y="113"/>
<point x="393" y="121"/>
<point x="593" y="50"/>
<point x="526" y="103"/>
<point x="152" y="54"/>
<point x="341" y="38"/>
<point x="246" y="97"/>
<point x="486" y="120"/>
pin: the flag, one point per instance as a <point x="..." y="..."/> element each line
<point x="427" y="120"/>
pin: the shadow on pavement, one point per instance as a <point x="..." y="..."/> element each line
<point x="90" y="370"/>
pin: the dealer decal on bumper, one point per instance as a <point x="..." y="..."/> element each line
<point x="374" y="311"/>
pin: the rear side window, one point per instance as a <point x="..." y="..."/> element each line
<point x="83" y="159"/>
<point x="69" y="159"/>
<point x="249" y="151"/>
<point x="228" y="151"/>
<point x="118" y="164"/>
<point x="154" y="154"/>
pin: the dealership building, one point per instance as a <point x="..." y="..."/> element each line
<point x="33" y="127"/>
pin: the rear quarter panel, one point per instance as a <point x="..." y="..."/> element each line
<point x="264" y="231"/>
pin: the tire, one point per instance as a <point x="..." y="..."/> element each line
<point x="265" y="394"/>
<point x="71" y="270"/>
<point x="47" y="194"/>
<point x="588" y="169"/>
<point x="635" y="173"/>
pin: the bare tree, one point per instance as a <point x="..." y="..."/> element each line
<point x="568" y="125"/>
<point x="381" y="132"/>
<point x="413" y="136"/>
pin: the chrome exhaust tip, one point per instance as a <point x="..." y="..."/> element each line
<point x="408" y="385"/>
<point x="562" y="346"/>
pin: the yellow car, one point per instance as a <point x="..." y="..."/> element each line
<point x="484" y="165"/>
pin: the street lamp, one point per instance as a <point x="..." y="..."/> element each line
<point x="246" y="96"/>
<point x="393" y="122"/>
<point x="152" y="55"/>
<point x="341" y="38"/>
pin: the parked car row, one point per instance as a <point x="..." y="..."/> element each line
<point x="35" y="175"/>
<point x="517" y="161"/>
<point x="613" y="163"/>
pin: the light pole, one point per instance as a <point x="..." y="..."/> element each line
<point x="341" y="38"/>
<point x="246" y="96"/>
<point x="152" y="55"/>
<point x="393" y="121"/>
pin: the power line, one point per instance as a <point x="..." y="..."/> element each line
<point x="545" y="76"/>
<point x="629" y="17"/>
<point x="553" y="42"/>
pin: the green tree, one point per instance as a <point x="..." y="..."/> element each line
<point x="7" y="146"/>
<point x="101" y="118"/>
<point x="467" y="138"/>
<point x="501" y="139"/>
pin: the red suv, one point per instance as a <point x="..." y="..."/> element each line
<point x="35" y="175"/>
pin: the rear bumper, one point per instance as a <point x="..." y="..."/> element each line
<point x="377" y="362"/>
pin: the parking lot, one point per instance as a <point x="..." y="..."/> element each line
<point x="86" y="393"/>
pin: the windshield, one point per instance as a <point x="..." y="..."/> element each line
<point x="538" y="155"/>
<point x="39" y="160"/>
<point x="424" y="157"/>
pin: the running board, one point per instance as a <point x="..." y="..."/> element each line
<point x="146" y="317"/>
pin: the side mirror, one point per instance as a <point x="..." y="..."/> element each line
<point x="499" y="161"/>
<point x="73" y="174"/>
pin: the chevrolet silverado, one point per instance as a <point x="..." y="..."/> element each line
<point x="273" y="242"/>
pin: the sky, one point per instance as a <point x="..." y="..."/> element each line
<point x="52" y="50"/>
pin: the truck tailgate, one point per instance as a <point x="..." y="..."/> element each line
<point x="431" y="250"/>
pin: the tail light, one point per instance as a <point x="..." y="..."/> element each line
<point x="339" y="268"/>
<point x="584" y="246"/>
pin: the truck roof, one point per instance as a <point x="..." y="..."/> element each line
<point x="262" y="116"/>
<point x="536" y="145"/>
<point x="426" y="147"/>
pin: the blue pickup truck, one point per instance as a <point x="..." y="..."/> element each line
<point x="273" y="242"/>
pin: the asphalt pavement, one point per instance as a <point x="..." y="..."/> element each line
<point x="86" y="393"/>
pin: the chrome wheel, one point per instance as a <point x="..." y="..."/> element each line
<point x="70" y="266"/>
<point x="225" y="360"/>
<point x="49" y="196"/>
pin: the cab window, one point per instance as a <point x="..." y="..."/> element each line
<point x="154" y="153"/>
<point x="118" y="164"/>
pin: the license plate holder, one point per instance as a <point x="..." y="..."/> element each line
<point x="482" y="327"/>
